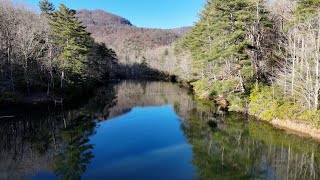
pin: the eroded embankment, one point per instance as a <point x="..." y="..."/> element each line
<point x="298" y="128"/>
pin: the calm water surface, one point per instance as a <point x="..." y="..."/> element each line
<point x="147" y="130"/>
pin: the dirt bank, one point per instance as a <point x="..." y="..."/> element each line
<point x="301" y="129"/>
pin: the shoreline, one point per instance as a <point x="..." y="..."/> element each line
<point x="41" y="97"/>
<point x="297" y="128"/>
<point x="290" y="126"/>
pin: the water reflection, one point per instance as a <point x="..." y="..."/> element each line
<point x="75" y="141"/>
<point x="72" y="162"/>
<point x="51" y="139"/>
<point x="238" y="147"/>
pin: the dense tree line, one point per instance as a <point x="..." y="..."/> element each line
<point x="55" y="52"/>
<point x="51" y="50"/>
<point x="262" y="57"/>
<point x="253" y="53"/>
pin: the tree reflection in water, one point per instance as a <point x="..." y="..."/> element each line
<point x="55" y="139"/>
<point x="71" y="163"/>
<point x="239" y="147"/>
<point x="58" y="135"/>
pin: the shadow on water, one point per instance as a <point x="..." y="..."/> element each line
<point x="51" y="138"/>
<point x="57" y="140"/>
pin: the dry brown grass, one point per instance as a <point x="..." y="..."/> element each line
<point x="298" y="128"/>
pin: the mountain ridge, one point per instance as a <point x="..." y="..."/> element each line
<point x="102" y="17"/>
<point x="129" y="42"/>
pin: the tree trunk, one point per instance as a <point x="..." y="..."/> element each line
<point x="293" y="63"/>
<point x="316" y="86"/>
<point x="241" y="82"/>
<point x="62" y="79"/>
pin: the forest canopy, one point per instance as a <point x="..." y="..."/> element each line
<point x="48" y="51"/>
<point x="262" y="58"/>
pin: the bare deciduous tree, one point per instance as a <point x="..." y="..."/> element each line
<point x="301" y="69"/>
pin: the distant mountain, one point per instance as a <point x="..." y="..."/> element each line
<point x="101" y="18"/>
<point x="132" y="44"/>
<point x="129" y="42"/>
<point x="182" y="30"/>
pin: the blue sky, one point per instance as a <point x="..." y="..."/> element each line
<point x="142" y="13"/>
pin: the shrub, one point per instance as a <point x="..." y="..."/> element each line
<point x="223" y="87"/>
<point x="310" y="116"/>
<point x="9" y="97"/>
<point x="268" y="103"/>
<point x="260" y="101"/>
<point x="238" y="102"/>
<point x="201" y="88"/>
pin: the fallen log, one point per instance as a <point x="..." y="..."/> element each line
<point x="6" y="117"/>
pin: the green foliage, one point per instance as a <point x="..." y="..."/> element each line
<point x="288" y="111"/>
<point x="205" y="105"/>
<point x="166" y="52"/>
<point x="72" y="39"/>
<point x="223" y="87"/>
<point x="307" y="7"/>
<point x="46" y="6"/>
<point x="262" y="103"/>
<point x="247" y="72"/>
<point x="265" y="101"/>
<point x="310" y="116"/>
<point x="221" y="37"/>
<point x="78" y="152"/>
<point x="236" y="148"/>
<point x="268" y="103"/>
<point x="196" y="42"/>
<point x="201" y="87"/>
<point x="220" y="46"/>
<point x="144" y="61"/>
<point x="228" y="44"/>
<point x="9" y="98"/>
<point x="238" y="102"/>
<point x="101" y="60"/>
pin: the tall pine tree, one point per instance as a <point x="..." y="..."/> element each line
<point x="199" y="41"/>
<point x="226" y="43"/>
<point x="73" y="40"/>
<point x="46" y="6"/>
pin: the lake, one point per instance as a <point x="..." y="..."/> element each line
<point x="147" y="130"/>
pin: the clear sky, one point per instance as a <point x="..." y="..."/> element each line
<point x="142" y="13"/>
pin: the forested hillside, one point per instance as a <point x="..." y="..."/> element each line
<point x="137" y="48"/>
<point x="62" y="49"/>
<point x="262" y="57"/>
<point x="121" y="34"/>
<point x="99" y="18"/>
<point x="47" y="52"/>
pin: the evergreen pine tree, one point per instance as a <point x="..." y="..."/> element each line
<point x="46" y="6"/>
<point x="307" y="7"/>
<point x="226" y="37"/>
<point x="198" y="42"/>
<point x="100" y="61"/>
<point x="73" y="40"/>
